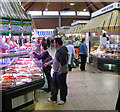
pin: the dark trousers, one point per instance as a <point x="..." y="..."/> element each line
<point x="70" y="67"/>
<point x="47" y="72"/>
<point x="59" y="82"/>
<point x="118" y="103"/>
<point x="83" y="61"/>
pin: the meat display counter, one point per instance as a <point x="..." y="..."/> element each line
<point x="19" y="81"/>
<point x="106" y="58"/>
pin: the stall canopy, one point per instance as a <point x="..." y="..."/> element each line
<point x="12" y="9"/>
<point x="108" y="22"/>
<point x="70" y="31"/>
<point x="63" y="31"/>
<point x="78" y="28"/>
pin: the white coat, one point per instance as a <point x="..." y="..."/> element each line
<point x="71" y="52"/>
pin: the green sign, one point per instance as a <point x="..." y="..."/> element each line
<point x="15" y="27"/>
<point x="27" y="29"/>
<point x="4" y="26"/>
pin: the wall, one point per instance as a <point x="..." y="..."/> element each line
<point x="52" y="23"/>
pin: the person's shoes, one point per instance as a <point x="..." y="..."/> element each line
<point x="61" y="102"/>
<point x="83" y="70"/>
<point x="49" y="99"/>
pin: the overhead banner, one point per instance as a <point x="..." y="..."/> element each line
<point x="27" y="28"/>
<point x="4" y="26"/>
<point x="15" y="27"/>
<point x="45" y="32"/>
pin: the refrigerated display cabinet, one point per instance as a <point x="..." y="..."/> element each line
<point x="19" y="81"/>
<point x="106" y="57"/>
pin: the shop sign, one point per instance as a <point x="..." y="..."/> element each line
<point x="15" y="27"/>
<point x="4" y="26"/>
<point x="27" y="28"/>
<point x="45" y="33"/>
<point x="113" y="6"/>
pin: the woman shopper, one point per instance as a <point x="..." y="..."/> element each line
<point x="83" y="54"/>
<point x="45" y="56"/>
<point x="3" y="46"/>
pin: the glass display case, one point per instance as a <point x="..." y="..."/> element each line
<point x="19" y="80"/>
<point x="111" y="51"/>
<point x="106" y="57"/>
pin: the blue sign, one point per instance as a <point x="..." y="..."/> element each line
<point x="45" y="33"/>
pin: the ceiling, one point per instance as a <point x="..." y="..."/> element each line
<point x="58" y="6"/>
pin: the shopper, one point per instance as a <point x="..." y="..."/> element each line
<point x="9" y="43"/>
<point x="13" y="42"/>
<point x="71" y="53"/>
<point x="118" y="103"/>
<point x="45" y="56"/>
<point x="52" y="43"/>
<point x="48" y="42"/>
<point x="83" y="54"/>
<point x="3" y="47"/>
<point x="60" y="67"/>
<point x="76" y="57"/>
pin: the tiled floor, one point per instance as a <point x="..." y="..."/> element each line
<point x="90" y="90"/>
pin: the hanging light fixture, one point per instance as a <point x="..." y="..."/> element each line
<point x="46" y="9"/>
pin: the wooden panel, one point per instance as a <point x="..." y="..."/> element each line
<point x="46" y="23"/>
<point x="52" y="23"/>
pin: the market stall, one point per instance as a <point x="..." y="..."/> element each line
<point x="75" y="31"/>
<point x="104" y="38"/>
<point x="20" y="74"/>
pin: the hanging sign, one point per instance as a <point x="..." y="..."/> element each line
<point x="4" y="26"/>
<point x="27" y="28"/>
<point x="15" y="27"/>
<point x="45" y="32"/>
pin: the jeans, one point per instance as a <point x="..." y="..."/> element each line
<point x="59" y="82"/>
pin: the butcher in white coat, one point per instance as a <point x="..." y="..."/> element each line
<point x="71" y="53"/>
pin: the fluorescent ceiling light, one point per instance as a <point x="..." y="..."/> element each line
<point x="35" y="13"/>
<point x="83" y="13"/>
<point x="50" y="13"/>
<point x="72" y="3"/>
<point x="67" y="13"/>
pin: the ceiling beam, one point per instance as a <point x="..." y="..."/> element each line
<point x="25" y="3"/>
<point x="29" y="6"/>
<point x="94" y="5"/>
<point x="103" y="3"/>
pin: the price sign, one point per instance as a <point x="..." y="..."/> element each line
<point x="15" y="27"/>
<point x="4" y="26"/>
<point x="27" y="29"/>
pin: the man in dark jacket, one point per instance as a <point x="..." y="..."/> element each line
<point x="60" y="67"/>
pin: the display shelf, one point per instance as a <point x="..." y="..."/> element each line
<point x="10" y="55"/>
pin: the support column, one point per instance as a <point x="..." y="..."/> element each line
<point x="59" y="21"/>
<point x="87" y="43"/>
